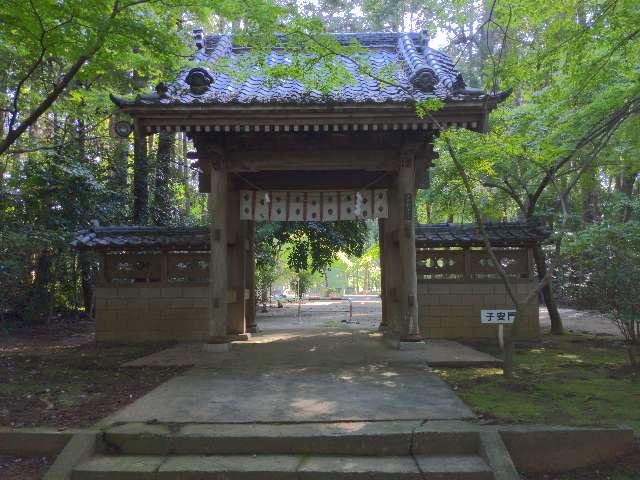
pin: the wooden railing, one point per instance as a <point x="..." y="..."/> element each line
<point x="471" y="264"/>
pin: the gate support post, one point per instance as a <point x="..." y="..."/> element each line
<point x="410" y="330"/>
<point x="390" y="257"/>
<point x="237" y="250"/>
<point x="250" y="307"/>
<point x="384" y="324"/>
<point x="217" y="210"/>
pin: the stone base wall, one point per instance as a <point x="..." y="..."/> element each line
<point x="151" y="313"/>
<point x="452" y="310"/>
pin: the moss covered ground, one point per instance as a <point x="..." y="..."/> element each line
<point x="570" y="380"/>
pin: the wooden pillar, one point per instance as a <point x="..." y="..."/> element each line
<point x="384" y="323"/>
<point x="250" y="270"/>
<point x="217" y="206"/>
<point x="236" y="254"/>
<point x="392" y="267"/>
<point x="410" y="330"/>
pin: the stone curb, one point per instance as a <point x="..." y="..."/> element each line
<point x="35" y="442"/>
<point x="80" y="447"/>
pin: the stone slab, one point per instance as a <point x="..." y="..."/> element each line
<point x="300" y="376"/>
<point x="106" y="467"/>
<point x="80" y="447"/>
<point x="448" y="353"/>
<point x="216" y="347"/>
<point x="230" y="467"/>
<point x="368" y="392"/>
<point x="375" y="468"/>
<point x="350" y="438"/>
<point x="497" y="456"/>
<point x="437" y="353"/>
<point x="460" y="467"/>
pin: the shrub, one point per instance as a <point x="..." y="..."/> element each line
<point x="600" y="266"/>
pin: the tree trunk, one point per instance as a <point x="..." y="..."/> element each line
<point x="547" y="293"/>
<point x="140" y="180"/>
<point x="118" y="164"/>
<point x="86" y="281"/>
<point x="185" y="173"/>
<point x="508" y="357"/>
<point x="86" y="275"/>
<point x="590" y="189"/>
<point x="624" y="185"/>
<point x="164" y="158"/>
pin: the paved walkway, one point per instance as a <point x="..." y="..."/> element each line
<point x="302" y="376"/>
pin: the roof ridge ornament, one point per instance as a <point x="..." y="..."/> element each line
<point x="198" y="80"/>
<point x="421" y="75"/>
<point x="198" y="37"/>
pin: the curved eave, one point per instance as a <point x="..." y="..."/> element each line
<point x="471" y="113"/>
<point x="137" y="105"/>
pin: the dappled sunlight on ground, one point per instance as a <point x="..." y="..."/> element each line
<point x="366" y="312"/>
<point x="306" y="406"/>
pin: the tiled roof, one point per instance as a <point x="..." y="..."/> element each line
<point x="137" y="237"/>
<point x="197" y="238"/>
<point x="420" y="71"/>
<point x="500" y="234"/>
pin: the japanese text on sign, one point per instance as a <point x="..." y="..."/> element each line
<point x="497" y="316"/>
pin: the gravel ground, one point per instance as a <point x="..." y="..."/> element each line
<point x="324" y="313"/>
<point x="580" y="321"/>
<point x="367" y="313"/>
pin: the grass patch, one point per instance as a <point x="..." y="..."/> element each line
<point x="569" y="380"/>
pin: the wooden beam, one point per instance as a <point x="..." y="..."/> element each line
<point x="407" y="242"/>
<point x="384" y="324"/>
<point x="309" y="160"/>
<point x="311" y="180"/>
<point x="250" y="270"/>
<point x="390" y="255"/>
<point x="217" y="207"/>
<point x="236" y="233"/>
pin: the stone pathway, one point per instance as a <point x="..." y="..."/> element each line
<point x="302" y="376"/>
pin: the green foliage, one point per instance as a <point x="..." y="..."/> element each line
<point x="572" y="64"/>
<point x="429" y="105"/>
<point x="300" y="283"/>
<point x="601" y="266"/>
<point x="312" y="245"/>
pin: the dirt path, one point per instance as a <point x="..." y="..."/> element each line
<point x="367" y="313"/>
<point x="580" y="321"/>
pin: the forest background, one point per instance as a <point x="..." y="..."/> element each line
<point x="564" y="149"/>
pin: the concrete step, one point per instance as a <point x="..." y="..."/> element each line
<point x="283" y="467"/>
<point x="349" y="438"/>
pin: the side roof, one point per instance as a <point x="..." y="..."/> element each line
<point x="512" y="234"/>
<point x="501" y="234"/>
<point x="419" y="71"/>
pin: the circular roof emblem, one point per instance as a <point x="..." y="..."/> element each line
<point x="122" y="128"/>
<point x="199" y="80"/>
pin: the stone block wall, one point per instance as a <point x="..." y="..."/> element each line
<point x="451" y="310"/>
<point x="151" y="313"/>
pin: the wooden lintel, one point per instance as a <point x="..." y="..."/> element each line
<point x="308" y="160"/>
<point x="311" y="180"/>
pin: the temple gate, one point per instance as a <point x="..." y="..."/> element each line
<point x="275" y="151"/>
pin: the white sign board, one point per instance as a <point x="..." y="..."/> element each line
<point x="497" y="317"/>
<point x="313" y="206"/>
